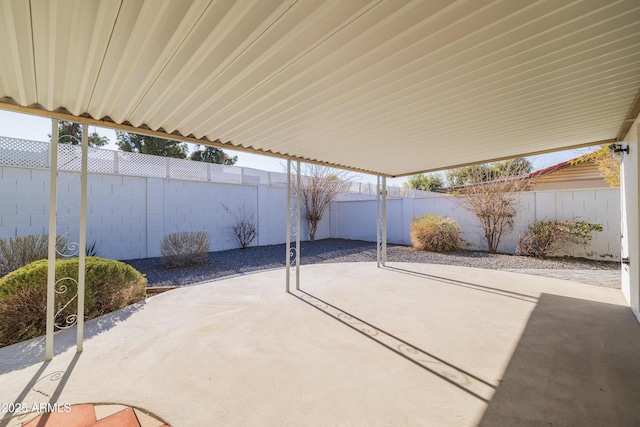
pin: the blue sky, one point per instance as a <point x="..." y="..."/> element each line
<point x="36" y="128"/>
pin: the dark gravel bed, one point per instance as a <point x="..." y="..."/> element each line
<point x="238" y="261"/>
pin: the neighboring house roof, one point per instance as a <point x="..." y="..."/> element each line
<point x="569" y="175"/>
<point x="551" y="169"/>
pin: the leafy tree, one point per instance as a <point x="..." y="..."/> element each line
<point x="491" y="193"/>
<point x="609" y="167"/>
<point x="430" y="182"/>
<point x="319" y="186"/>
<point x="486" y="172"/>
<point x="135" y="143"/>
<point x="213" y="155"/>
<point x="71" y="133"/>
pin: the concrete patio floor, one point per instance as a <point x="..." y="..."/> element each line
<point x="410" y="344"/>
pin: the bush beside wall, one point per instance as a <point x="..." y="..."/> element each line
<point x="109" y="286"/>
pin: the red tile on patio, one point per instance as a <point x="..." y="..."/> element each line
<point x="78" y="416"/>
<point x="125" y="418"/>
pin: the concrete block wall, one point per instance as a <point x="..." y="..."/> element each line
<point x="128" y="216"/>
<point x="357" y="219"/>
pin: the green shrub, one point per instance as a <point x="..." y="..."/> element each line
<point x="17" y="252"/>
<point x="109" y="286"/>
<point x="185" y="248"/>
<point x="435" y="233"/>
<point x="543" y="238"/>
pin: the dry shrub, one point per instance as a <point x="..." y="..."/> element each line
<point x="17" y="252"/>
<point x="109" y="285"/>
<point x="435" y="234"/>
<point x="23" y="315"/>
<point x="545" y="237"/>
<point x="185" y="248"/>
<point x="246" y="226"/>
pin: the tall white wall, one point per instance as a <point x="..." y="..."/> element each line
<point x="128" y="216"/>
<point x="357" y="219"/>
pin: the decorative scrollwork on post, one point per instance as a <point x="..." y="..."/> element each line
<point x="62" y="321"/>
<point x="380" y="229"/>
<point x="67" y="249"/>
<point x="293" y="251"/>
<point x="292" y="258"/>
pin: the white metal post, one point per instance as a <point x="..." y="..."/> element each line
<point x="288" y="238"/>
<point x="83" y="236"/>
<point x="384" y="220"/>
<point x="298" y="226"/>
<point x="51" y="266"/>
<point x="378" y="222"/>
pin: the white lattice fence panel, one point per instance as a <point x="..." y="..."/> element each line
<point x="393" y="191"/>
<point x="22" y="152"/>
<point x="256" y="176"/>
<point x="187" y="169"/>
<point x="368" y="188"/>
<point x="278" y="179"/>
<point x="101" y="161"/>
<point x="69" y="157"/>
<point x="354" y="187"/>
<point x="225" y="174"/>
<point x="142" y="165"/>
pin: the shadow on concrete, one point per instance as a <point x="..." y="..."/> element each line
<point x="31" y="352"/>
<point x="469" y="285"/>
<point x="47" y="388"/>
<point x="576" y="364"/>
<point x="464" y="380"/>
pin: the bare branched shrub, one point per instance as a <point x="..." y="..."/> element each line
<point x="246" y="226"/>
<point x="495" y="203"/>
<point x="17" y="252"/>
<point x="185" y="248"/>
<point x="543" y="238"/>
<point x="319" y="186"/>
<point x="435" y="234"/>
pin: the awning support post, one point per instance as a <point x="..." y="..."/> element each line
<point x="83" y="236"/>
<point x="384" y="221"/>
<point x="381" y="223"/>
<point x="288" y="236"/>
<point x="298" y="226"/>
<point x="378" y="223"/>
<point x="293" y="215"/>
<point x="51" y="260"/>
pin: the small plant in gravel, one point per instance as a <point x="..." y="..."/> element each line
<point x="545" y="237"/>
<point x="246" y="226"/>
<point x="185" y="248"/>
<point x="435" y="234"/>
<point x="17" y="252"/>
<point x="109" y="285"/>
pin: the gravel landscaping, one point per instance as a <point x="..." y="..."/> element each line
<point x="238" y="261"/>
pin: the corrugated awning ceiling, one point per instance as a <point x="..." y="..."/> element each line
<point x="391" y="87"/>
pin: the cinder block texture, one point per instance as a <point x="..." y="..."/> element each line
<point x="128" y="216"/>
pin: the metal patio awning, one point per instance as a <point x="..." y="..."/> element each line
<point x="389" y="87"/>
